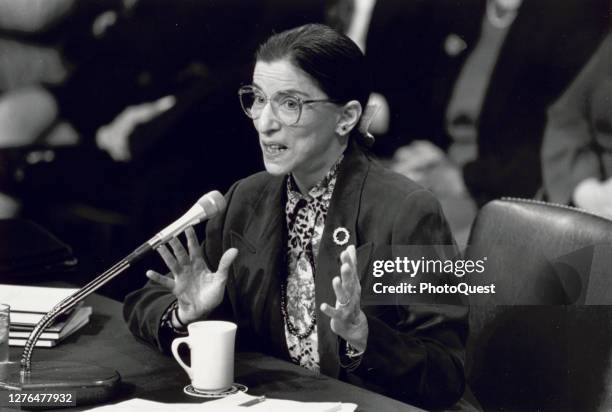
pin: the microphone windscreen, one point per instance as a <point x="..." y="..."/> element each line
<point x="212" y="203"/>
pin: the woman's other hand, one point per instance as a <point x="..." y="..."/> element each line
<point x="347" y="319"/>
<point x="197" y="289"/>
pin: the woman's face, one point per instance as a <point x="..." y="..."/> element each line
<point x="308" y="148"/>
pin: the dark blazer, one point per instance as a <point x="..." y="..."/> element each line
<point x="544" y="49"/>
<point x="414" y="353"/>
<point x="578" y="138"/>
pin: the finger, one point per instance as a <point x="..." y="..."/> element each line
<point x="168" y="259"/>
<point x="342" y="296"/>
<point x="226" y="261"/>
<point x="347" y="278"/>
<point x="179" y="251"/>
<point x="330" y="311"/>
<point x="348" y="269"/>
<point x="193" y="245"/>
<point x="162" y="280"/>
<point x="353" y="255"/>
<point x="349" y="255"/>
<point x="353" y="262"/>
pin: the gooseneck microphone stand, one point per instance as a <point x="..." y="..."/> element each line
<point x="88" y="383"/>
<point x="92" y="383"/>
<point x="72" y="300"/>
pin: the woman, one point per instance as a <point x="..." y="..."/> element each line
<point x="279" y="240"/>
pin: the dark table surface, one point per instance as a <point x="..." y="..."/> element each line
<point x="148" y="374"/>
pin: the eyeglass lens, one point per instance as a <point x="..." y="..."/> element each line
<point x="286" y="107"/>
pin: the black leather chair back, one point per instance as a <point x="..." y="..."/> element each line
<point x="544" y="342"/>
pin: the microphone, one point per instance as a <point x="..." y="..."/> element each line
<point x="205" y="208"/>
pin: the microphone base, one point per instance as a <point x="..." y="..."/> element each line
<point x="89" y="384"/>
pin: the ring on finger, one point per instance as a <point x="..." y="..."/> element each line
<point x="344" y="304"/>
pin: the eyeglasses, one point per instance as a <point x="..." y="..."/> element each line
<point x="286" y="107"/>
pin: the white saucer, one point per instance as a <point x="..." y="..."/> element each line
<point x="235" y="388"/>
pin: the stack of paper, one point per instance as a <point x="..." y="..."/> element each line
<point x="234" y="403"/>
<point x="237" y="403"/>
<point x="28" y="306"/>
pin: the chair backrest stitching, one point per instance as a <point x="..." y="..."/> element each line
<point x="541" y="202"/>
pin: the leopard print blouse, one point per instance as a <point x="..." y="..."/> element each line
<point x="305" y="216"/>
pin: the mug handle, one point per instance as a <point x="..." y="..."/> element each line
<point x="175" y="345"/>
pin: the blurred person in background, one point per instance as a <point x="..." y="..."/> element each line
<point x="29" y="60"/>
<point x="468" y="84"/>
<point x="34" y="63"/>
<point x="577" y="148"/>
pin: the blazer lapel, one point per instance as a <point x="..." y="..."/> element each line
<point x="342" y="213"/>
<point x="261" y="246"/>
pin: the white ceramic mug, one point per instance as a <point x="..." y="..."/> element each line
<point x="211" y="344"/>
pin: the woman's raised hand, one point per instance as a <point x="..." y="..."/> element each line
<point x="197" y="289"/>
<point x="347" y="319"/>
